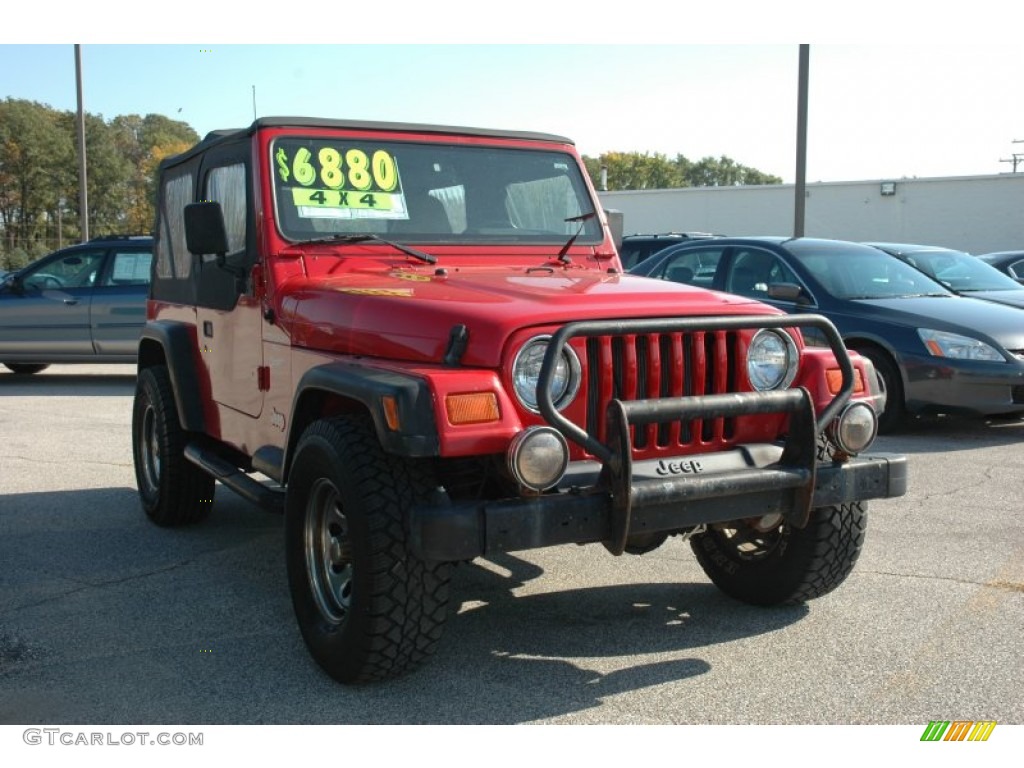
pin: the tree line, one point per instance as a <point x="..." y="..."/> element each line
<point x="39" y="184"/>
<point x="636" y="170"/>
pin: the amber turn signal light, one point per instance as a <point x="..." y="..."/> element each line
<point x="471" y="408"/>
<point x="834" y="378"/>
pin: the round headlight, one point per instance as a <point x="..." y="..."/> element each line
<point x="771" y="360"/>
<point x="526" y="374"/>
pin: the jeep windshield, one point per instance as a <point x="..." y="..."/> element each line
<point x="429" y="192"/>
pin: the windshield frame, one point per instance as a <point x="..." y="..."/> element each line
<point x="449" y="155"/>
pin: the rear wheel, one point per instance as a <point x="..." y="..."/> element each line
<point x="173" y="490"/>
<point x="25" y="368"/>
<point x="367" y="606"/>
<point x="765" y="562"/>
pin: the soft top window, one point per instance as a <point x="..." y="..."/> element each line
<point x="443" y="193"/>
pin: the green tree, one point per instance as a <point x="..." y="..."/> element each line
<point x="39" y="200"/>
<point x="36" y="177"/>
<point x="636" y="170"/>
<point x="144" y="142"/>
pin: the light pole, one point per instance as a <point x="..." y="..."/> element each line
<point x="83" y="189"/>
<point x="801" y="142"/>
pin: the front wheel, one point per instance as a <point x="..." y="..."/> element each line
<point x="780" y="564"/>
<point x="894" y="415"/>
<point x="367" y="606"/>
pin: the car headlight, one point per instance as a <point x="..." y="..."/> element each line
<point x="771" y="360"/>
<point x="953" y="345"/>
<point x="565" y="382"/>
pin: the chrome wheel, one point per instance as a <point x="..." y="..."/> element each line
<point x="328" y="552"/>
<point x="150" y="449"/>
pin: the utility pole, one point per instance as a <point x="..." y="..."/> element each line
<point x="83" y="190"/>
<point x="801" y="142"/>
<point x="1017" y="158"/>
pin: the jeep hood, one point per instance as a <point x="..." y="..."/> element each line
<point x="407" y="314"/>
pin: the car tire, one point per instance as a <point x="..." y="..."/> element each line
<point x="783" y="565"/>
<point x="173" y="490"/>
<point x="25" y="368"/>
<point x="367" y="606"/>
<point x="895" y="413"/>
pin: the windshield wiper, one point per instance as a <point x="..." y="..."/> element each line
<point x="428" y="258"/>
<point x="583" y="218"/>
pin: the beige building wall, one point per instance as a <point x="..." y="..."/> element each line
<point x="977" y="214"/>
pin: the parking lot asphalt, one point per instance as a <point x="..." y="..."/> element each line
<point x="105" y="618"/>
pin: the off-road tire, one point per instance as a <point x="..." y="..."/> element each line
<point x="173" y="490"/>
<point x="367" y="606"/>
<point x="26" y="368"/>
<point x="786" y="565"/>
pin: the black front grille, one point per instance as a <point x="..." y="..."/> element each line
<point x="661" y="365"/>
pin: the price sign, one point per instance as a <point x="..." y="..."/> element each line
<point x="324" y="180"/>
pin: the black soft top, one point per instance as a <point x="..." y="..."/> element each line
<point x="225" y="135"/>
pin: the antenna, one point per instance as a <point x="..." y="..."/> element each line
<point x="1017" y="158"/>
<point x="254" y="102"/>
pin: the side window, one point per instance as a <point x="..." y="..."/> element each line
<point x="1017" y="269"/>
<point x="129" y="268"/>
<point x="78" y="270"/>
<point x="226" y="185"/>
<point x="693" y="267"/>
<point x="750" y="273"/>
<point x="172" y="257"/>
<point x="779" y="272"/>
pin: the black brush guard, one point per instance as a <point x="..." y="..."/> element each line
<point x="621" y="504"/>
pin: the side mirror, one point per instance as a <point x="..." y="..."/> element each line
<point x="204" y="229"/>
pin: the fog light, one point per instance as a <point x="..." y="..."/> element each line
<point x="855" y="428"/>
<point x="538" y="457"/>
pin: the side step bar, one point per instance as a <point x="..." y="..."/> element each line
<point x="267" y="497"/>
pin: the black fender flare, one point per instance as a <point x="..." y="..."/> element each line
<point x="177" y="342"/>
<point x="416" y="435"/>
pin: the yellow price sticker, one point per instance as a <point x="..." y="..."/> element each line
<point x="333" y="198"/>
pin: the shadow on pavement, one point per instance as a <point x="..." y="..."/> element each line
<point x="105" y="618"/>
<point x="67" y="385"/>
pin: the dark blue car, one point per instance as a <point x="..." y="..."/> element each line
<point x="937" y="352"/>
<point x="1008" y="262"/>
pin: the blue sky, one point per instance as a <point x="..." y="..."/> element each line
<point x="882" y="110"/>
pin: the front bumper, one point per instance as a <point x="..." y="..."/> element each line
<point x="618" y="499"/>
<point x="938" y="385"/>
<point x="662" y="503"/>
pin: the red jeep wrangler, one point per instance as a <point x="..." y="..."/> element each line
<point x="418" y="342"/>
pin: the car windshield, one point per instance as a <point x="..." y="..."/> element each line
<point x="961" y="272"/>
<point x="864" y="273"/>
<point x="428" y="192"/>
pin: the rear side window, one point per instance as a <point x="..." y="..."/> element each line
<point x="172" y="258"/>
<point x="129" y="268"/>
